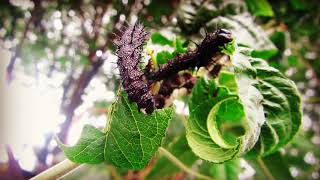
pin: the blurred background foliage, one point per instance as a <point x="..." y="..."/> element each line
<point x="63" y="49"/>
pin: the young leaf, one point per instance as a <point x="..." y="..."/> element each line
<point x="228" y="48"/>
<point x="179" y="45"/>
<point x="205" y="94"/>
<point x="250" y="97"/>
<point x="225" y="171"/>
<point x="225" y="122"/>
<point x="228" y="79"/>
<point x="282" y="107"/>
<point x="163" y="57"/>
<point x="260" y="7"/>
<point x="158" y="38"/>
<point x="130" y="141"/>
<point x="264" y="54"/>
<point x="214" y="133"/>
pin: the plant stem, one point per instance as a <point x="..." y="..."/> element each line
<point x="179" y="164"/>
<point x="265" y="169"/>
<point x="57" y="171"/>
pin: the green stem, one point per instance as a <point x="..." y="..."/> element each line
<point x="57" y="171"/>
<point x="182" y="166"/>
<point x="265" y="169"/>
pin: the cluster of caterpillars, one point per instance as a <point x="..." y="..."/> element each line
<point x="137" y="83"/>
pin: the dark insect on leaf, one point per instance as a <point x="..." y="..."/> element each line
<point x="200" y="57"/>
<point x="138" y="83"/>
<point x="129" y="47"/>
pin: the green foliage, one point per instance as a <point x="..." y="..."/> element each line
<point x="127" y="143"/>
<point x="158" y="38"/>
<point x="228" y="79"/>
<point x="264" y="54"/>
<point x="263" y="106"/>
<point x="282" y="107"/>
<point x="163" y="57"/>
<point x="228" y="48"/>
<point x="205" y="95"/>
<point x="90" y="147"/>
<point x="179" y="46"/>
<point x="225" y="171"/>
<point x="259" y="7"/>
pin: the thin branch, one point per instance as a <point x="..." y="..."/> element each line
<point x="312" y="100"/>
<point x="17" y="51"/>
<point x="265" y="169"/>
<point x="115" y="175"/>
<point x="182" y="166"/>
<point x="57" y="171"/>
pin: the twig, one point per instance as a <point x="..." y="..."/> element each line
<point x="17" y="51"/>
<point x="115" y="175"/>
<point x="182" y="166"/>
<point x="265" y="169"/>
<point x="312" y="100"/>
<point x="57" y="171"/>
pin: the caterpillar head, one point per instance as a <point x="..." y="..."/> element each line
<point x="224" y="35"/>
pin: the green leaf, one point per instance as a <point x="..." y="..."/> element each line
<point x="134" y="137"/>
<point x="158" y="38"/>
<point x="264" y="54"/>
<point x="221" y="123"/>
<point x="225" y="122"/>
<point x="225" y="171"/>
<point x="298" y="4"/>
<point x="131" y="138"/>
<point x="282" y="107"/>
<point x="179" y="46"/>
<point x="293" y="60"/>
<point x="163" y="57"/>
<point x="90" y="147"/>
<point x="261" y="114"/>
<point x="205" y="94"/>
<point x="165" y="168"/>
<point x="251" y="99"/>
<point x="279" y="39"/>
<point x="259" y="7"/>
<point x="228" y="79"/>
<point x="229" y="48"/>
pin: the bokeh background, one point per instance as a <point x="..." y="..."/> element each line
<point x="58" y="71"/>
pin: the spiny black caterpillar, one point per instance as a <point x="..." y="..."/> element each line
<point x="137" y="83"/>
<point x="129" y="47"/>
<point x="200" y="57"/>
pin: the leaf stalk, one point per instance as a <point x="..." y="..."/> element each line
<point x="265" y="169"/>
